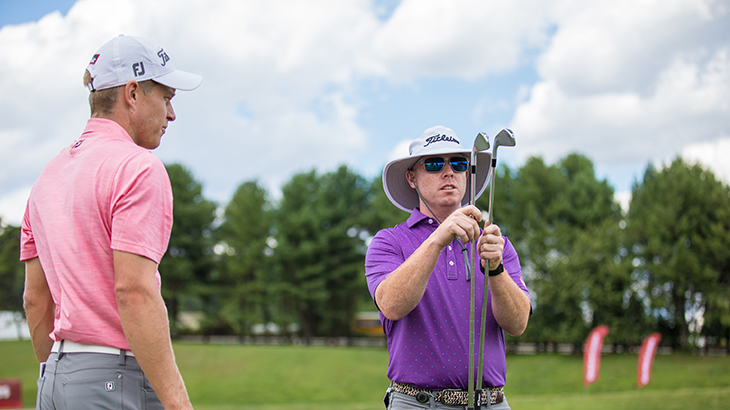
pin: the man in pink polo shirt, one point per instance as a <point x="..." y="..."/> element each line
<point x="97" y="223"/>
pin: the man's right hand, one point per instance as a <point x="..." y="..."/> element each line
<point x="462" y="224"/>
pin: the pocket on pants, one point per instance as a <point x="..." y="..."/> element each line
<point x="39" y="395"/>
<point x="99" y="391"/>
<point x="151" y="401"/>
<point x="400" y="401"/>
<point x="39" y="401"/>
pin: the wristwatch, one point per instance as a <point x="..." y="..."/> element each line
<point x="497" y="271"/>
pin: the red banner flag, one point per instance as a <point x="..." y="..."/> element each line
<point x="592" y="354"/>
<point x="646" y="359"/>
<point x="11" y="394"/>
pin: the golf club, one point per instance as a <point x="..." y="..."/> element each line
<point x="481" y="143"/>
<point x="507" y="139"/>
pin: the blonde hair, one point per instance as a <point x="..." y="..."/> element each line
<point x="102" y="102"/>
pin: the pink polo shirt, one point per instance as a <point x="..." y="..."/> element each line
<point x="102" y="193"/>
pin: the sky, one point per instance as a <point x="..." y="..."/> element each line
<point x="291" y="86"/>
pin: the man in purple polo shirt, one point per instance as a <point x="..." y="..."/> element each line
<point x="417" y="276"/>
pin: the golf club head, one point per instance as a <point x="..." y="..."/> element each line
<point x="505" y="138"/>
<point x="481" y="143"/>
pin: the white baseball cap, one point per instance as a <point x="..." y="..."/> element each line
<point x="434" y="141"/>
<point x="127" y="58"/>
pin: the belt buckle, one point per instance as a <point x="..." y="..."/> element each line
<point x="423" y="397"/>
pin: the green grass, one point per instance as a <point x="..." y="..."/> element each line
<point x="282" y="374"/>
<point x="228" y="377"/>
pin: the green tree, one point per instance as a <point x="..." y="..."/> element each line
<point x="680" y="228"/>
<point x="12" y="271"/>
<point x="380" y="212"/>
<point x="246" y="270"/>
<point x="188" y="263"/>
<point x="320" y="252"/>
<point x="546" y="211"/>
<point x="600" y="258"/>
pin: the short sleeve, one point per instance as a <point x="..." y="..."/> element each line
<point x="141" y="207"/>
<point x="382" y="258"/>
<point x="28" y="249"/>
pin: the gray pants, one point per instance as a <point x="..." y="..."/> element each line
<point x="400" y="401"/>
<point x="79" y="381"/>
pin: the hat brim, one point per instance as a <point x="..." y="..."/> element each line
<point x="179" y="80"/>
<point x="401" y="194"/>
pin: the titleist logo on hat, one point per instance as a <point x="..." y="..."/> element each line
<point x="128" y="58"/>
<point x="440" y="137"/>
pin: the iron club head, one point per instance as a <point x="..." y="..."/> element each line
<point x="481" y="143"/>
<point x="505" y="138"/>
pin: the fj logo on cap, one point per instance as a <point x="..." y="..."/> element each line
<point x="163" y="55"/>
<point x="93" y="59"/>
<point x="440" y="137"/>
<point x="138" y="69"/>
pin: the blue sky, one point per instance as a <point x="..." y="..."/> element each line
<point x="292" y="85"/>
<point x="17" y="12"/>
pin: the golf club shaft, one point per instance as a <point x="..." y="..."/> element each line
<point x="472" y="296"/>
<point x="504" y="138"/>
<point x="482" y="324"/>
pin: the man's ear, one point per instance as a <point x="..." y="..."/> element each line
<point x="411" y="178"/>
<point x="131" y="92"/>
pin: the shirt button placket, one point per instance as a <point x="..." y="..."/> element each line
<point x="451" y="270"/>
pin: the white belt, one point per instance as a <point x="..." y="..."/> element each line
<point x="73" y="347"/>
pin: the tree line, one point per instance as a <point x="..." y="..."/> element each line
<point x="662" y="265"/>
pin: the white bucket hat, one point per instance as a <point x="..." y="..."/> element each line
<point x="436" y="140"/>
<point x="127" y="58"/>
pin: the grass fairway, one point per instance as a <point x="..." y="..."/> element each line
<point x="233" y="377"/>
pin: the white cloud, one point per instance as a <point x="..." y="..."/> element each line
<point x="289" y="63"/>
<point x="615" y="87"/>
<point x="462" y="38"/>
<point x="13" y="203"/>
<point x="714" y="155"/>
<point x="626" y="83"/>
<point x="401" y="150"/>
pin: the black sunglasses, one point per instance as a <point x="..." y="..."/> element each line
<point x="436" y="164"/>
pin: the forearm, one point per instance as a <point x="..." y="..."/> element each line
<point x="399" y="293"/>
<point x="510" y="305"/>
<point x="144" y="320"/>
<point x="149" y="340"/>
<point x="39" y="309"/>
<point x="40" y="325"/>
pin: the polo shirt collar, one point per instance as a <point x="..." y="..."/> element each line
<point x="106" y="127"/>
<point x="415" y="218"/>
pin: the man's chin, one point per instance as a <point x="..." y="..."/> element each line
<point x="450" y="203"/>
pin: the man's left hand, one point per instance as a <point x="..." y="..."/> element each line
<point x="491" y="246"/>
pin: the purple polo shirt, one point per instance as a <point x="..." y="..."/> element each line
<point x="429" y="347"/>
